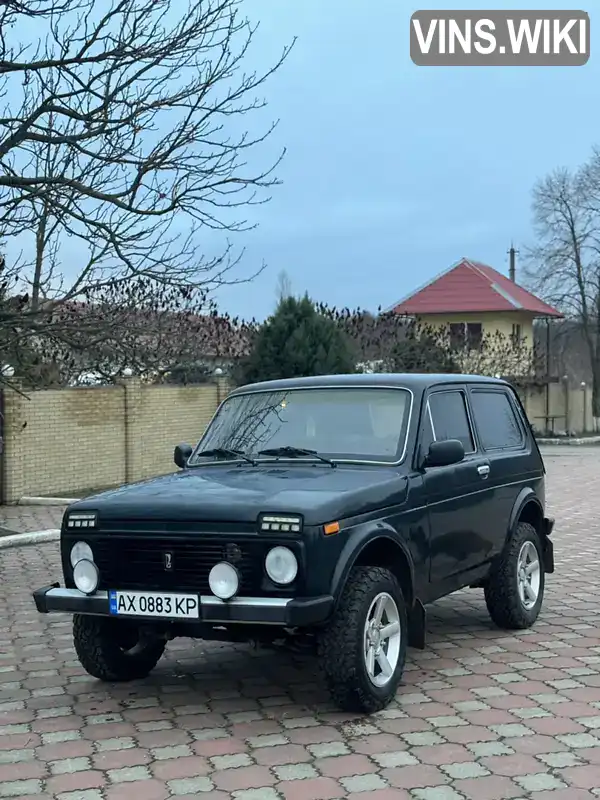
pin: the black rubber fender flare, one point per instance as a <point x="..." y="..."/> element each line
<point x="358" y="540"/>
<point x="544" y="525"/>
<point x="525" y="496"/>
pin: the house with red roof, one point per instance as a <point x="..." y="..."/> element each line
<point x="472" y="299"/>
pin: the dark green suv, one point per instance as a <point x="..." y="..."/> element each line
<point x="333" y="509"/>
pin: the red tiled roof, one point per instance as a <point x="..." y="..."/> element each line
<point x="470" y="286"/>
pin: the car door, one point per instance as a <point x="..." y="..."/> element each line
<point x="458" y="502"/>
<point x="504" y="441"/>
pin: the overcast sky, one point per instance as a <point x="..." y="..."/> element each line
<point x="393" y="172"/>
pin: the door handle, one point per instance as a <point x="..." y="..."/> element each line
<point x="484" y="470"/>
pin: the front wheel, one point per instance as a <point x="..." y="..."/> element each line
<point x="114" y="650"/>
<point x="515" y="590"/>
<point x="363" y="649"/>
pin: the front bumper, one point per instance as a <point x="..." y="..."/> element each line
<point x="291" y="613"/>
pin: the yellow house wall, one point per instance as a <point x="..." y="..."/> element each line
<point x="491" y="322"/>
<point x="501" y="360"/>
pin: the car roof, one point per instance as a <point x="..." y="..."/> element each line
<point x="415" y="382"/>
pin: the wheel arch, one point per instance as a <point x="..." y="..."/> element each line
<point x="376" y="547"/>
<point x="527" y="508"/>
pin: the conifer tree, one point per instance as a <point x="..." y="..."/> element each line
<point x="296" y="341"/>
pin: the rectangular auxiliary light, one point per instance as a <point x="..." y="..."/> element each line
<point x="281" y="523"/>
<point x="82" y="520"/>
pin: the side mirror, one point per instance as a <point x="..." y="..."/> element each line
<point x="444" y="453"/>
<point x="181" y="454"/>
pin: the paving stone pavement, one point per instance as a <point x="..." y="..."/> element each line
<point x="483" y="714"/>
<point x="23" y="519"/>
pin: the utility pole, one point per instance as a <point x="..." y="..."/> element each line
<point x="512" y="270"/>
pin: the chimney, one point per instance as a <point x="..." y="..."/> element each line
<point x="512" y="271"/>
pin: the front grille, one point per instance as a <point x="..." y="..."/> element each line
<point x="139" y="563"/>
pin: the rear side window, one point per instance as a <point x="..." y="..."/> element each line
<point x="449" y="418"/>
<point x="496" y="420"/>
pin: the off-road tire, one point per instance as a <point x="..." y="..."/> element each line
<point x="96" y="641"/>
<point x="340" y="645"/>
<point x="501" y="590"/>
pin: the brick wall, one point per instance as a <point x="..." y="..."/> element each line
<point x="65" y="441"/>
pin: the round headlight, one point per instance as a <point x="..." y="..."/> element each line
<point x="281" y="565"/>
<point x="224" y="581"/>
<point x="86" y="576"/>
<point x="81" y="551"/>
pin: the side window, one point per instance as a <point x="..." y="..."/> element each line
<point x="450" y="419"/>
<point x="496" y="420"/>
<point x="427" y="434"/>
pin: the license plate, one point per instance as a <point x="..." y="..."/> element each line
<point x="155" y="604"/>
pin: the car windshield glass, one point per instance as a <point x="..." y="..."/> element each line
<point x="356" y="424"/>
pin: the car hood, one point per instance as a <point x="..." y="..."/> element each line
<point x="240" y="493"/>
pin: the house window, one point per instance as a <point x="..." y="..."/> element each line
<point x="516" y="335"/>
<point x="466" y="334"/>
<point x="474" y="335"/>
<point x="457" y="335"/>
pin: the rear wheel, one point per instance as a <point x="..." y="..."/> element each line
<point x="515" y="590"/>
<point x="114" y="650"/>
<point x="363" y="649"/>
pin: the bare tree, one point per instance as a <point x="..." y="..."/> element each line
<point x="28" y="8"/>
<point x="564" y="264"/>
<point x="284" y="286"/>
<point x="144" y="328"/>
<point x="122" y="142"/>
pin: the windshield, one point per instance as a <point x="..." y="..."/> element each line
<point x="356" y="424"/>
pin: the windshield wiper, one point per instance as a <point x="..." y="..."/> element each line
<point x="225" y="452"/>
<point x="296" y="452"/>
